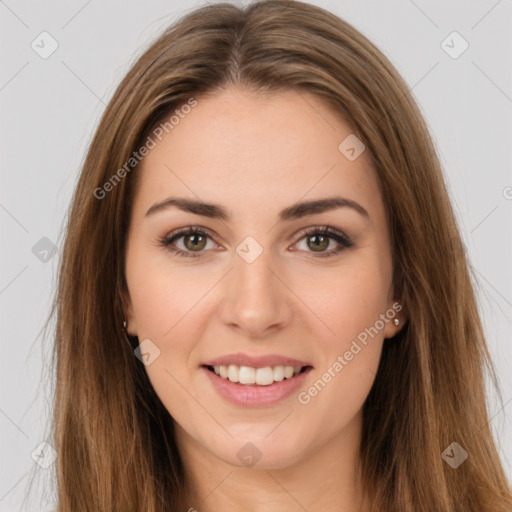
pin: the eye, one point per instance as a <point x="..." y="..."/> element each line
<point x="319" y="238"/>
<point x="195" y="239"/>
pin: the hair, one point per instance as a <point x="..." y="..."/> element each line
<point x="114" y="438"/>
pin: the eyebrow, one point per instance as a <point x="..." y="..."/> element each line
<point x="296" y="211"/>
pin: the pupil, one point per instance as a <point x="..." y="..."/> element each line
<point x="194" y="244"/>
<point x="322" y="245"/>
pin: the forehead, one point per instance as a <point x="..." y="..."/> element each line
<point x="245" y="151"/>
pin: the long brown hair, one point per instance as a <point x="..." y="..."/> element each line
<point x="114" y="438"/>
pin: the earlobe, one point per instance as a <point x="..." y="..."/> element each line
<point x="129" y="327"/>
<point x="393" y="327"/>
<point x="128" y="322"/>
<point x="397" y="316"/>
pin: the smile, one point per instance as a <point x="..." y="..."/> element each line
<point x="264" y="376"/>
<point x="247" y="391"/>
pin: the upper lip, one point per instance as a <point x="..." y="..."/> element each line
<point x="255" y="361"/>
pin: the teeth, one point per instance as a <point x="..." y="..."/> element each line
<point x="278" y="373"/>
<point x="261" y="376"/>
<point x="233" y="373"/>
<point x="246" y="375"/>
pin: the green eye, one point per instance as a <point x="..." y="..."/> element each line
<point x="195" y="240"/>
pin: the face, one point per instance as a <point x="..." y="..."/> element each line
<point x="260" y="287"/>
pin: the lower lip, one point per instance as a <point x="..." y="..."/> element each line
<point x="248" y="395"/>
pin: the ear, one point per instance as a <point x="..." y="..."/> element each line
<point x="131" y="325"/>
<point x="395" y="310"/>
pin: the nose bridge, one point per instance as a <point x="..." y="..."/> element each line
<point x="256" y="300"/>
<point x="252" y="273"/>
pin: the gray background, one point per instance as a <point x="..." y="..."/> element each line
<point x="50" y="107"/>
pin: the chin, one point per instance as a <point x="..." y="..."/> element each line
<point x="258" y="453"/>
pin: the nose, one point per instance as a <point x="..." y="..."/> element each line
<point x="256" y="300"/>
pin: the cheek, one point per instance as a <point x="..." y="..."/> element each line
<point x="349" y="302"/>
<point x="340" y="395"/>
<point x="163" y="307"/>
<point x="162" y="298"/>
<point x="351" y="347"/>
<point x="348" y="299"/>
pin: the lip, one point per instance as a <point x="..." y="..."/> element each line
<point x="252" y="395"/>
<point x="255" y="361"/>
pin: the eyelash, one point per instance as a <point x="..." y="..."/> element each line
<point x="339" y="237"/>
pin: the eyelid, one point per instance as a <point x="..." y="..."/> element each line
<point x="343" y="241"/>
<point x="331" y="231"/>
<point x="170" y="238"/>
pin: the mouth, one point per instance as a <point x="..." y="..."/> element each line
<point x="256" y="376"/>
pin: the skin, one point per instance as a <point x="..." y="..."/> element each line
<point x="255" y="156"/>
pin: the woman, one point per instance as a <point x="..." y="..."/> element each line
<point x="263" y="301"/>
